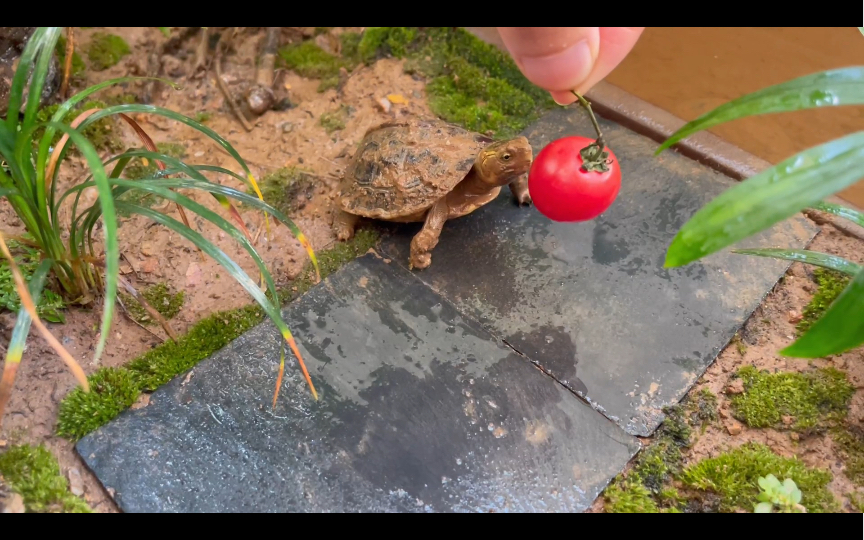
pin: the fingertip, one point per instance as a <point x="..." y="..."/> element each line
<point x="563" y="98"/>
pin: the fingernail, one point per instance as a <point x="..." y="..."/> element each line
<point x="562" y="71"/>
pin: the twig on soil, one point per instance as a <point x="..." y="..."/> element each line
<point x="67" y="64"/>
<point x="260" y="98"/>
<point x="132" y="319"/>
<point x="132" y="266"/>
<point x="199" y="65"/>
<point x="217" y="62"/>
<point x="819" y="219"/>
<point x="150" y="310"/>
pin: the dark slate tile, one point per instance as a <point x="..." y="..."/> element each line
<point x="421" y="410"/>
<point x="591" y="302"/>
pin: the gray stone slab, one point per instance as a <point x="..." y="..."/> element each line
<point x="591" y="302"/>
<point x="421" y="409"/>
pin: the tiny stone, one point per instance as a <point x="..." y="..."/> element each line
<point x="794" y="436"/>
<point x="147" y="249"/>
<point x="76" y="483"/>
<point x="735" y="387"/>
<point x="734" y="428"/>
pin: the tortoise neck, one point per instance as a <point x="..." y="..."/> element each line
<point x="474" y="185"/>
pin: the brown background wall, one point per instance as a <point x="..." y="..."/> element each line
<point x="689" y="71"/>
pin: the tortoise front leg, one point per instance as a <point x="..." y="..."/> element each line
<point x="426" y="240"/>
<point x="343" y="225"/>
<point x="519" y="188"/>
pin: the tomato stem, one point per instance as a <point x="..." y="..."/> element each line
<point x="594" y="156"/>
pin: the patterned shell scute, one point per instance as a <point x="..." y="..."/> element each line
<point x="404" y="167"/>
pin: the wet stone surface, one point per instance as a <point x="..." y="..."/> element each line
<point x="421" y="409"/>
<point x="591" y="302"/>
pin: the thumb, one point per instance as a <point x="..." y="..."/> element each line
<point x="555" y="59"/>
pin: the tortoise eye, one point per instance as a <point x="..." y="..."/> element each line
<point x="506" y="157"/>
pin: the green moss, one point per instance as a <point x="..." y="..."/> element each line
<point x="283" y="188"/>
<point x="202" y="116"/>
<point x="335" y="120"/>
<point x="733" y="477"/>
<point x="105" y="50"/>
<point x="378" y="41"/>
<point x="856" y="501"/>
<point x="309" y="60"/>
<point x="831" y="283"/>
<point x="112" y="390"/>
<point x="158" y="366"/>
<point x="630" y="498"/>
<point x="102" y="133"/>
<point x="78" y="66"/>
<point x="160" y="297"/>
<point x="27" y="259"/>
<point x="33" y="473"/>
<point x="850" y="440"/>
<point x="115" y="389"/>
<point x="809" y="398"/>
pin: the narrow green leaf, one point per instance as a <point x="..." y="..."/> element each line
<point x="805" y="256"/>
<point x="112" y="250"/>
<point x="23" y="322"/>
<point x="19" y="80"/>
<point x="769" y="197"/>
<point x="854" y="216"/>
<point x="840" y="329"/>
<point x="46" y="45"/>
<point x="844" y="86"/>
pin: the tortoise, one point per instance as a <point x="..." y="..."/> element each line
<point x="428" y="170"/>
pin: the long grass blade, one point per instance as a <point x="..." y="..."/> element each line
<point x="19" y="335"/>
<point x="112" y="250"/>
<point x="815" y="258"/>
<point x="854" y="216"/>
<point x="832" y="88"/>
<point x="139" y="108"/>
<point x="233" y="269"/>
<point x="839" y="329"/>
<point x="28" y="304"/>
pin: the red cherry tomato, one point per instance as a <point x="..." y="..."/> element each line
<point x="564" y="191"/>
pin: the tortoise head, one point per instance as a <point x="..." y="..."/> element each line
<point x="503" y="161"/>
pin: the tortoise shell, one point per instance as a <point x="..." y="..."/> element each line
<point x="403" y="167"/>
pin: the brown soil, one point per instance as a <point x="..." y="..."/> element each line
<point x="295" y="137"/>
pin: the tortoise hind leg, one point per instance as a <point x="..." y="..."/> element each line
<point x="519" y="188"/>
<point x="344" y="224"/>
<point x="426" y="240"/>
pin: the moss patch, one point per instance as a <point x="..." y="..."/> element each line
<point x="286" y="189"/>
<point x="105" y="50"/>
<point x="115" y="389"/>
<point x="33" y="473"/>
<point x="808" y="398"/>
<point x="309" y="60"/>
<point x="102" y="134"/>
<point x="645" y="489"/>
<point x="733" y="477"/>
<point x="27" y="258"/>
<point x="831" y="283"/>
<point x="850" y="439"/>
<point x="335" y="120"/>
<point x="160" y="297"/>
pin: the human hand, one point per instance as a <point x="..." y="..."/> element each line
<point x="564" y="59"/>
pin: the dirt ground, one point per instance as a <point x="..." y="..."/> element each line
<point x="295" y="137"/>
